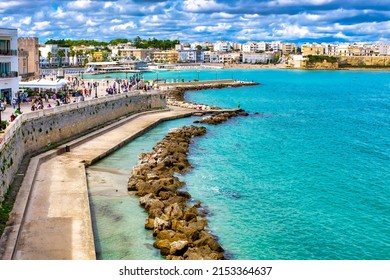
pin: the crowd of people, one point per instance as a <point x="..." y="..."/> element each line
<point x="77" y="90"/>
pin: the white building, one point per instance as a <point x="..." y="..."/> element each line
<point x="384" y="49"/>
<point x="257" y="57"/>
<point x="276" y="46"/>
<point x="249" y="47"/>
<point x="297" y="61"/>
<point x="331" y="50"/>
<point x="222" y="46"/>
<point x="9" y="80"/>
<point x="53" y="59"/>
<point x="263" y="46"/>
<point x="194" y="55"/>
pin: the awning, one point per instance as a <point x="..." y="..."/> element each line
<point x="55" y="84"/>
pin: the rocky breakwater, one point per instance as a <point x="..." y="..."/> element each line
<point x="175" y="96"/>
<point x="178" y="223"/>
<point x="221" y="117"/>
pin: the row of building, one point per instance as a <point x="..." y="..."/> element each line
<point x="219" y="52"/>
<point x="356" y="49"/>
<point x="22" y="58"/>
<point x="77" y="56"/>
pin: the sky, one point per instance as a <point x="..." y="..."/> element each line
<point x="298" y="21"/>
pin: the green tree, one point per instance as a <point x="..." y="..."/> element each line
<point x="49" y="56"/>
<point x="60" y="54"/>
<point x="118" y="41"/>
<point x="137" y="42"/>
<point x="199" y="47"/>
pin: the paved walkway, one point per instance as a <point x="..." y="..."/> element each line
<point x="56" y="223"/>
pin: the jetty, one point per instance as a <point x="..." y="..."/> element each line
<point x="51" y="217"/>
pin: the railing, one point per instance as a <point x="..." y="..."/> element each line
<point x="11" y="74"/>
<point x="8" y="52"/>
<point x="12" y="127"/>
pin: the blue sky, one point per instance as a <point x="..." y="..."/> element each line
<point x="201" y="20"/>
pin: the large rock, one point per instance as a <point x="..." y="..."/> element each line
<point x="174" y="211"/>
<point x="178" y="247"/>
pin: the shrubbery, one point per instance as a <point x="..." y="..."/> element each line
<point x="321" y="58"/>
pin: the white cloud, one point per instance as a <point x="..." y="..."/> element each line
<point x="91" y="23"/>
<point x="201" y="5"/>
<point x="299" y="3"/>
<point x="59" y="13"/>
<point x="108" y="5"/>
<point x="122" y="27"/>
<point x="218" y="28"/>
<point x="41" y="25"/>
<point x="222" y="15"/>
<point x="5" y="5"/>
<point x="79" y="4"/>
<point x="39" y="15"/>
<point x="291" y="31"/>
<point x="80" y="18"/>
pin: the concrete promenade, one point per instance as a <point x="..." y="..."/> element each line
<point x="51" y="217"/>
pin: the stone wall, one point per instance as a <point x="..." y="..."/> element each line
<point x="364" y="61"/>
<point x="37" y="133"/>
<point x="320" y="65"/>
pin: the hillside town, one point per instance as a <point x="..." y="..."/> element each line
<point x="24" y="58"/>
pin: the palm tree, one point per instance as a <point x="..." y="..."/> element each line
<point x="72" y="54"/>
<point x="60" y="54"/>
<point x="49" y="56"/>
<point x="79" y="53"/>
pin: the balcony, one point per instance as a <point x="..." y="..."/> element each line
<point x="11" y="74"/>
<point x="9" y="52"/>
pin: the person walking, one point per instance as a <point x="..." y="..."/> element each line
<point x="14" y="103"/>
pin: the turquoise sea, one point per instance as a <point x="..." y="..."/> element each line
<point x="308" y="178"/>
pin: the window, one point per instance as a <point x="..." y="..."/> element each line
<point x="5" y="45"/>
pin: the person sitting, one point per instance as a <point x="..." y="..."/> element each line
<point x="13" y="117"/>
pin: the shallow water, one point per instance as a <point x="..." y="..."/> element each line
<point x="306" y="178"/>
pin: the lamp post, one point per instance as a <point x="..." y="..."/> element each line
<point x="18" y="101"/>
<point x="95" y="85"/>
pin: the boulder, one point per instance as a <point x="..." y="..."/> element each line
<point x="206" y="239"/>
<point x="174" y="211"/>
<point x="149" y="223"/>
<point x="190" y="214"/>
<point x="178" y="247"/>
<point x="159" y="225"/>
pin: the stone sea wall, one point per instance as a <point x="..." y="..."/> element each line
<point x="175" y="95"/>
<point x="349" y="62"/>
<point x="45" y="132"/>
<point x="364" y="61"/>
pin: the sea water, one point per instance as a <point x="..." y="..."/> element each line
<point x="305" y="176"/>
